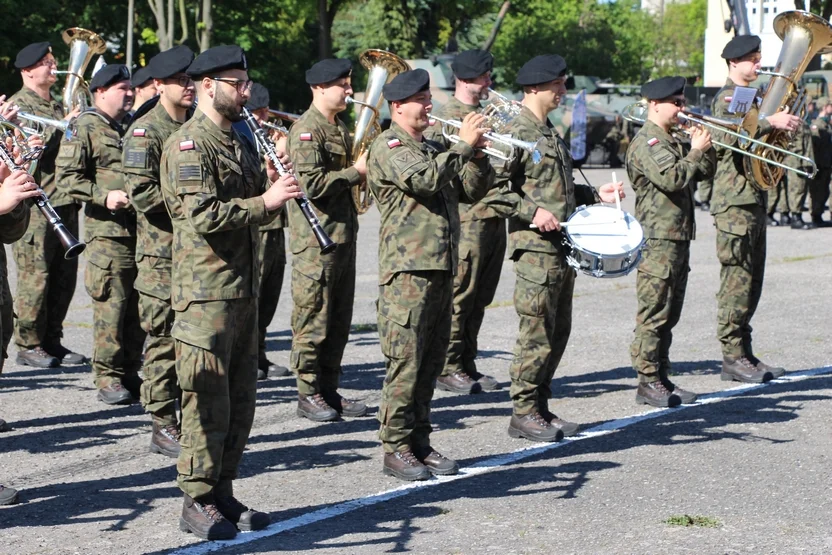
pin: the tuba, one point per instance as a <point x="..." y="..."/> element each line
<point x="382" y="66"/>
<point x="804" y="36"/>
<point x="83" y="45"/>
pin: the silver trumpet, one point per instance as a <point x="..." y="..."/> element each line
<point x="505" y="140"/>
<point x="68" y="127"/>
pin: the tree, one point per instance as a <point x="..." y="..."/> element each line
<point x="681" y="46"/>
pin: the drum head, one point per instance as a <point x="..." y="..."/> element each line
<point x="600" y="230"/>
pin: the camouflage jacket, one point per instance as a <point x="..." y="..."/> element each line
<point x="490" y="206"/>
<point x="663" y="172"/>
<point x="822" y="142"/>
<point x="321" y="154"/>
<point x="417" y="187"/>
<point x="282" y="219"/>
<point x="141" y="160"/>
<point x="12" y="227"/>
<point x="731" y="188"/>
<point x="89" y="167"/>
<point x="526" y="186"/>
<point x="44" y="175"/>
<point x="211" y="182"/>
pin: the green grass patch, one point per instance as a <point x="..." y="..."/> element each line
<point x="500" y="304"/>
<point x="78" y="325"/>
<point x="363" y="328"/>
<point x="693" y="520"/>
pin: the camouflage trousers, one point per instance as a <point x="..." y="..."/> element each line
<point x="543" y="301"/>
<point x="819" y="189"/>
<point x="216" y="364"/>
<point x="6" y="311"/>
<point x="160" y="389"/>
<point x="272" y="257"/>
<point x="414" y="322"/>
<point x="482" y="247"/>
<point x="705" y="188"/>
<point x="741" y="249"/>
<point x="118" y="337"/>
<point x="45" y="280"/>
<point x="788" y="196"/>
<point x="323" y="289"/>
<point x="660" y="290"/>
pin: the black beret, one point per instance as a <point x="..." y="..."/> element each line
<point x="218" y="58"/>
<point x="108" y="75"/>
<point x="30" y="55"/>
<point x="258" y="98"/>
<point x="740" y="46"/>
<point x="664" y="87"/>
<point x="328" y="70"/>
<point x="140" y="77"/>
<point x="472" y="63"/>
<point x="170" y="62"/>
<point x="406" y="84"/>
<point x="541" y="69"/>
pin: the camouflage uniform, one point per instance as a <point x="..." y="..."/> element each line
<point x="663" y="172"/>
<point x="705" y="189"/>
<point x="790" y="193"/>
<point x="141" y="162"/>
<point x="544" y="285"/>
<point x="417" y="187"/>
<point x="45" y="279"/>
<point x="323" y="285"/>
<point x="12" y="227"/>
<point x="739" y="211"/>
<point x="482" y="247"/>
<point x="819" y="185"/>
<point x="211" y="182"/>
<point x="272" y="260"/>
<point x="89" y="167"/>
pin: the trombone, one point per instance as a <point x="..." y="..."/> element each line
<point x="68" y="127"/>
<point x="636" y="113"/>
<point x="505" y="140"/>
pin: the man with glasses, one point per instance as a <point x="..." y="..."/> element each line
<point x="89" y="170"/>
<point x="217" y="195"/>
<point x="323" y="285"/>
<point x="664" y="172"/>
<point x="45" y="279"/>
<point x="140" y="162"/>
<point x="739" y="211"/>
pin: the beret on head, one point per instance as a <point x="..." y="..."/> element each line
<point x="662" y="88"/>
<point x="140" y="77"/>
<point x="541" y="69"/>
<point x="328" y="70"/>
<point x="109" y="75"/>
<point x="406" y="84"/>
<point x="218" y="58"/>
<point x="472" y="63"/>
<point x="259" y="97"/>
<point x="32" y="54"/>
<point x="740" y="46"/>
<point x="170" y="62"/>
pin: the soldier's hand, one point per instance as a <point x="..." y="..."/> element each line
<point x="608" y="191"/>
<point x="361" y="165"/>
<point x="117" y="200"/>
<point x="16" y="187"/>
<point x="281" y="144"/>
<point x="283" y="189"/>
<point x="8" y="109"/>
<point x="73" y="114"/>
<point x="472" y="129"/>
<point x="700" y="139"/>
<point x="784" y="120"/>
<point x="545" y="220"/>
<point x="271" y="170"/>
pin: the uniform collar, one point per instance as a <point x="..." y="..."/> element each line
<point x="320" y="119"/>
<point x="529" y="117"/>
<point x="457" y="103"/>
<point x="36" y="99"/>
<point x="653" y="130"/>
<point x="207" y="124"/>
<point x="405" y="137"/>
<point x="161" y="113"/>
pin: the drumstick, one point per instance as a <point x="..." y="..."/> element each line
<point x="617" y="198"/>
<point x="567" y="224"/>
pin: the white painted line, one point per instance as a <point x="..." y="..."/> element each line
<point x="481" y="467"/>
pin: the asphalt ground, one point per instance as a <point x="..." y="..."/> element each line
<point x="748" y="469"/>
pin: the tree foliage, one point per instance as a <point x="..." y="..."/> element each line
<point x="681" y="48"/>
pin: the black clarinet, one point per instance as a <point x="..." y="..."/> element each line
<point x="72" y="246"/>
<point x="266" y="145"/>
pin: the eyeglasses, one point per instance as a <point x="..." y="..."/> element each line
<point x="182" y="81"/>
<point x="678" y="102"/>
<point x="241" y="85"/>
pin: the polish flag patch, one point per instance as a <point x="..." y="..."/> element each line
<point x="186" y="145"/>
<point x="306" y="136"/>
<point x="393" y="143"/>
<point x="139" y="132"/>
<point x="653" y="142"/>
<point x="729" y="98"/>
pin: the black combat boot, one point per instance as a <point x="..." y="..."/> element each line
<point x="818" y="221"/>
<point x="656" y="394"/>
<point x="133" y="383"/>
<point x="8" y="496"/>
<point x="345" y="407"/>
<point x="534" y="427"/>
<point x="37" y="357"/>
<point x="405" y="466"/>
<point x="204" y="520"/>
<point x="705" y="206"/>
<point x="798" y="223"/>
<point x="243" y="517"/>
<point x="437" y="463"/>
<point x="771" y="221"/>
<point x="315" y="408"/>
<point x="742" y="370"/>
<point x="458" y="382"/>
<point x="64" y="355"/>
<point x="115" y="394"/>
<point x="267" y="369"/>
<point x="785" y="219"/>
<point x="165" y="439"/>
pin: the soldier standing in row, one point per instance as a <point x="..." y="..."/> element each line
<point x="822" y="143"/>
<point x="323" y="285"/>
<point x="214" y="188"/>
<point x="543" y="195"/>
<point x="417" y="186"/>
<point x="790" y="194"/>
<point x="89" y="170"/>
<point x="482" y="239"/>
<point x="45" y="279"/>
<point x="664" y="172"/>
<point x="739" y="211"/>
<point x="141" y="162"/>
<point x="144" y="86"/>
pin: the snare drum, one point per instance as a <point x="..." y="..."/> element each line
<point x="600" y="243"/>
